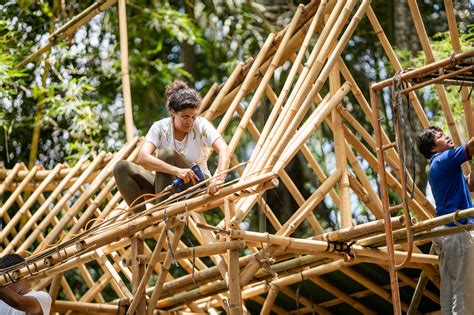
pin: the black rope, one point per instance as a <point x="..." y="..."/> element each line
<point x="341" y="247"/>
<point x="194" y="267"/>
<point x="298" y="298"/>
<point x="170" y="249"/>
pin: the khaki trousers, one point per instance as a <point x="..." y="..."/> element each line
<point x="456" y="268"/>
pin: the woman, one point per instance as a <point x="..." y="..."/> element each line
<point x="179" y="141"/>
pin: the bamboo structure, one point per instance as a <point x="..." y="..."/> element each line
<point x="170" y="258"/>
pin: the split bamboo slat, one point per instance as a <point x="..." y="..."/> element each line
<point x="73" y="218"/>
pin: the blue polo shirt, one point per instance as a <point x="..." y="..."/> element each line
<point x="448" y="183"/>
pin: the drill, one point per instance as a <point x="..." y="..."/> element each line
<point x="178" y="183"/>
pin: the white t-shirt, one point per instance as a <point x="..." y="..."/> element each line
<point x="43" y="298"/>
<point x="195" y="147"/>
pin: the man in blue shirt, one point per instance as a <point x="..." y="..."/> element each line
<point x="451" y="191"/>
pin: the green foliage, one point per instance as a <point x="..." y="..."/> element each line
<point x="442" y="48"/>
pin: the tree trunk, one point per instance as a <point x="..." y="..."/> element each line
<point x="405" y="32"/>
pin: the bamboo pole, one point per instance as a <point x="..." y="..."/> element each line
<point x="359" y="231"/>
<point x="308" y="94"/>
<point x="431" y="67"/>
<point x="270" y="300"/>
<point x="139" y="273"/>
<point x="64" y="306"/>
<point x="164" y="270"/>
<point x="390" y="179"/>
<point x="190" y="252"/>
<point x="321" y="246"/>
<point x="275" y="308"/>
<point x="176" y="292"/>
<point x="385" y="202"/>
<point x="67" y="289"/>
<point x="127" y="95"/>
<point x="235" y="304"/>
<point x="207" y="98"/>
<point x="89" y="282"/>
<point x="294" y="44"/>
<point x="40" y="175"/>
<point x="209" y="238"/>
<point x="297" y="218"/>
<point x="143" y="280"/>
<point x="214" y="287"/>
<point x="453" y="31"/>
<point x="67" y="196"/>
<point x="412" y="283"/>
<point x="340" y="151"/>
<point x="421" y="226"/>
<point x="115" y="276"/>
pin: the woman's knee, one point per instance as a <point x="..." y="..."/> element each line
<point x="121" y="168"/>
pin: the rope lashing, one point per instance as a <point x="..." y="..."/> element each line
<point x="341" y="247"/>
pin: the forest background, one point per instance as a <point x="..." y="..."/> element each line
<point x="68" y="103"/>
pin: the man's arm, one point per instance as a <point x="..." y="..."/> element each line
<point x="470" y="153"/>
<point x="19" y="302"/>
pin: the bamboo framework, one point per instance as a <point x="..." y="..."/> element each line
<point x="170" y="259"/>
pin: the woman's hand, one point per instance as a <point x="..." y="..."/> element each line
<point x="187" y="174"/>
<point x="215" y="184"/>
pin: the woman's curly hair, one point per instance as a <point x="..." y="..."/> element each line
<point x="180" y="96"/>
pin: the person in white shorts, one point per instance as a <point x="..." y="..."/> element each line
<point x="17" y="298"/>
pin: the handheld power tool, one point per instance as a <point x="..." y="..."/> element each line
<point x="178" y="183"/>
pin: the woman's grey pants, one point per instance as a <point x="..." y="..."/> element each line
<point x="133" y="180"/>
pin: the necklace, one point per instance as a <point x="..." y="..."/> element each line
<point x="179" y="146"/>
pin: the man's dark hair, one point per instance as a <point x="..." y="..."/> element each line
<point x="426" y="140"/>
<point x="10" y="260"/>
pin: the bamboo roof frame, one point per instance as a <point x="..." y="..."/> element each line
<point x="75" y="216"/>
